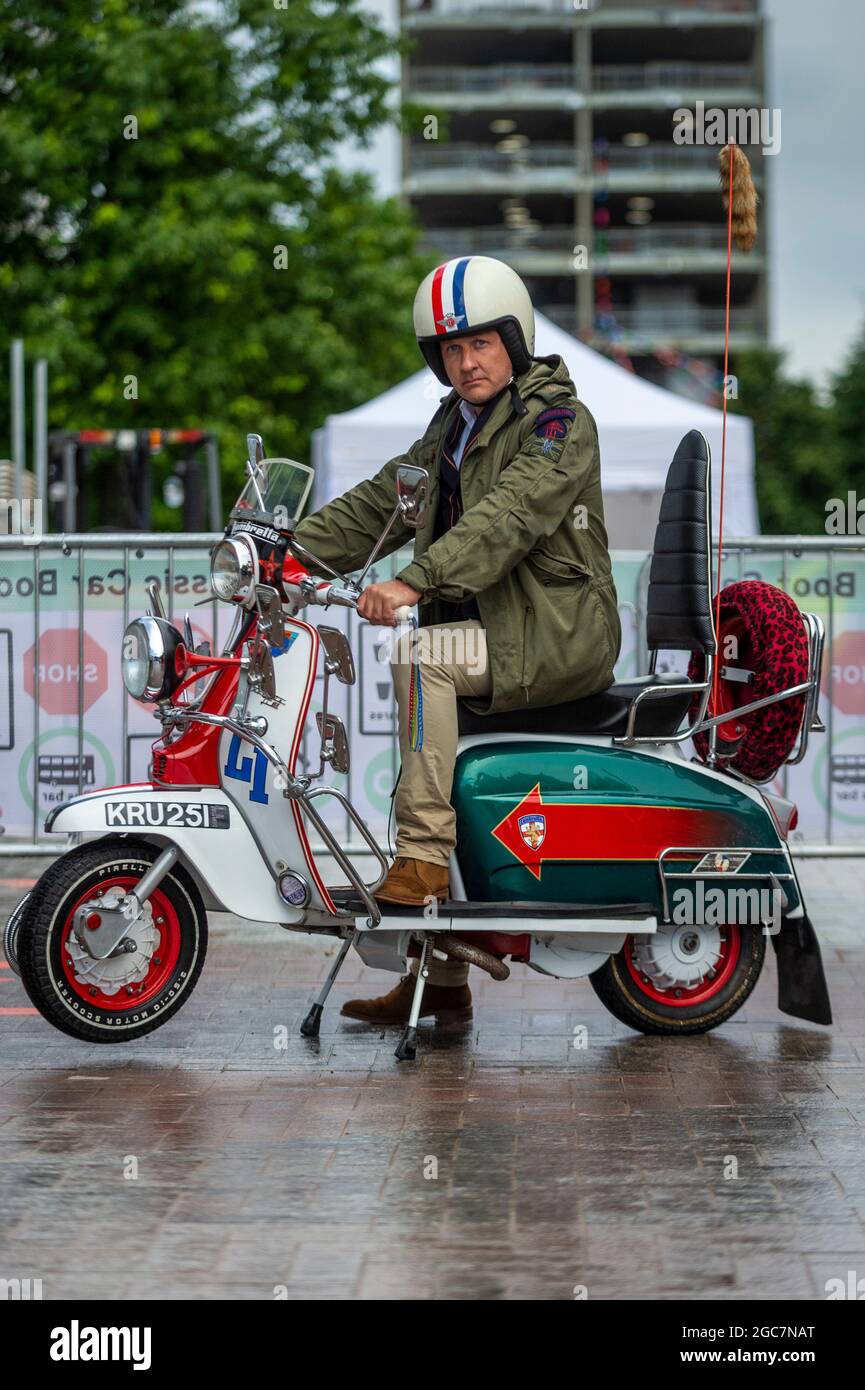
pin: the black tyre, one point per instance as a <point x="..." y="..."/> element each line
<point x="132" y="992"/>
<point x="682" y="979"/>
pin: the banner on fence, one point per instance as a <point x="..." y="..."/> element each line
<point x="60" y="656"/>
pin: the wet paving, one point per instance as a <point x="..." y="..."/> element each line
<point x="224" y="1156"/>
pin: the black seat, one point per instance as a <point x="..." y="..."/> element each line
<point x="604" y="713"/>
<point x="678" y="618"/>
<point x="679" y="605"/>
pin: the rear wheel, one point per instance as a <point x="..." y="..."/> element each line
<point x="150" y="974"/>
<point x="681" y="979"/>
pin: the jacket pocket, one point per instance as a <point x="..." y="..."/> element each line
<point x="556" y="569"/>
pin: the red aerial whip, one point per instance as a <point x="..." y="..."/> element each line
<point x="740" y="201"/>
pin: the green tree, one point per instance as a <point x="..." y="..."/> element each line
<point x="848" y="395"/>
<point x="795" y="445"/>
<point x="171" y="223"/>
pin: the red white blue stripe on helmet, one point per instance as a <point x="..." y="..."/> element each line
<point x="448" y="301"/>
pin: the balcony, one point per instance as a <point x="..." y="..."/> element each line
<point x="692" y="327"/>
<point x="686" y="250"/>
<point x="554" y="85"/>
<point x="516" y="84"/>
<point x="462" y="166"/>
<point x="638" y="76"/>
<point x="416" y="13"/>
<point x="682" y="9"/>
<point x="666" y="167"/>
<point x="489" y="240"/>
<point x="679" y="319"/>
<point x="670" y="250"/>
<point x="465" y="167"/>
<point x="486" y="11"/>
<point x="497" y="79"/>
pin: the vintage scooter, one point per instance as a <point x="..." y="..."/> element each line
<point x="588" y="843"/>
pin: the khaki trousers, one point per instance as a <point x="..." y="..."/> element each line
<point x="452" y="661"/>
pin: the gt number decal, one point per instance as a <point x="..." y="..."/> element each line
<point x="196" y="815"/>
<point x="252" y="770"/>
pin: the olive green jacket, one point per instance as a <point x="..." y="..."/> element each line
<point x="530" y="545"/>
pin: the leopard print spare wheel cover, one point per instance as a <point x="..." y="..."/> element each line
<point x="771" y="641"/>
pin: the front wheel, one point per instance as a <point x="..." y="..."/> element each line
<point x="151" y="973"/>
<point x="681" y="979"/>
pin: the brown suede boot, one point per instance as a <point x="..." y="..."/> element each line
<point x="449" y="1004"/>
<point x="411" y="881"/>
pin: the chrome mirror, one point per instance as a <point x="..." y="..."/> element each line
<point x="340" y="662"/>
<point x="254" y="449"/>
<point x="270" y="620"/>
<point x="412" y="495"/>
<point x="334" y="741"/>
<point x="412" y="491"/>
<point x="260" y="671"/>
<point x="157" y="608"/>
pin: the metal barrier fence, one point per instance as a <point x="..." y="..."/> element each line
<point x="66" y="722"/>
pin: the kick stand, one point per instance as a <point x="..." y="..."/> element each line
<point x="312" y="1023"/>
<point x="406" y="1049"/>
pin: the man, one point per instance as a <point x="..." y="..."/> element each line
<point x="511" y="571"/>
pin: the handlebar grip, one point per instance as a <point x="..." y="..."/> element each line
<point x="403" y="614"/>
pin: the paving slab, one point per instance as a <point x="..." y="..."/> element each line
<point x="208" y="1161"/>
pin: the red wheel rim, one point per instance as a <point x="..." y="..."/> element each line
<point x="167" y="952"/>
<point x="681" y="996"/>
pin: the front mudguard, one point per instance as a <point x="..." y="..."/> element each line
<point x="227" y="863"/>
<point x="802" y="989"/>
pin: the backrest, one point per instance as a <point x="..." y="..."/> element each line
<point x="679" y="608"/>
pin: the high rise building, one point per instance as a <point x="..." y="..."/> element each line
<point x="550" y="143"/>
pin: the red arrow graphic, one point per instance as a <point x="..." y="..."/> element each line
<point x="536" y="830"/>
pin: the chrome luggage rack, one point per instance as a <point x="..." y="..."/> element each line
<point x="718" y="874"/>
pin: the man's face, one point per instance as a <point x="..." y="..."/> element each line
<point x="477" y="365"/>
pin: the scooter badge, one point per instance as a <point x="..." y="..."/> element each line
<point x="533" y="830"/>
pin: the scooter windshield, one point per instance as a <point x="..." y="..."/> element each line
<point x="279" y="491"/>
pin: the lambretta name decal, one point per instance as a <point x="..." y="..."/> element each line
<point x="196" y="815"/>
<point x="256" y="528"/>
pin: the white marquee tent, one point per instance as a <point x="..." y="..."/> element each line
<point x="639" y="426"/>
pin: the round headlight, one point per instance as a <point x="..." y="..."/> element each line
<point x="149" y="662"/>
<point x="234" y="570"/>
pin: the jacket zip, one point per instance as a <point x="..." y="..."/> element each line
<point x="528" y="609"/>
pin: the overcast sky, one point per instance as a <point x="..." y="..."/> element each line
<point x="817" y="194"/>
<point x="816" y="205"/>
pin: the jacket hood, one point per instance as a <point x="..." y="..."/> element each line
<point x="544" y="371"/>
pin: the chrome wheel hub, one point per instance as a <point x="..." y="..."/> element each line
<point x="128" y="963"/>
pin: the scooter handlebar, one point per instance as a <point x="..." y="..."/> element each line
<point x="324" y="593"/>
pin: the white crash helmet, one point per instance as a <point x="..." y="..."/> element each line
<point x="471" y="293"/>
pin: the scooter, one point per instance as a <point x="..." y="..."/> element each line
<point x="588" y="843"/>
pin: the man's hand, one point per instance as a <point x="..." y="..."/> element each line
<point x="378" y="602"/>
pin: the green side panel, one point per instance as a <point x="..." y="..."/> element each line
<point x="605" y="815"/>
